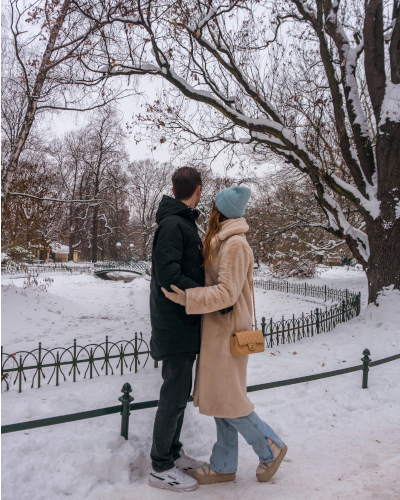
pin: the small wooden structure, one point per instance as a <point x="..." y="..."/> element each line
<point x="55" y="252"/>
<point x="333" y="261"/>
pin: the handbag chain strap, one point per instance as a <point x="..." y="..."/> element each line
<point x="254" y="308"/>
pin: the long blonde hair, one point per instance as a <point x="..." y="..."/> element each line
<point x="214" y="227"/>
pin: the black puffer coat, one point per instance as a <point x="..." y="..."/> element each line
<point x="176" y="260"/>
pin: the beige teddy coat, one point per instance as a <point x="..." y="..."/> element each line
<point x="220" y="388"/>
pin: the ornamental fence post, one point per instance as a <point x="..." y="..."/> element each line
<point x="317" y="320"/>
<point x="136" y="356"/>
<point x="263" y="326"/>
<point x="74" y="362"/>
<point x="366" y="361"/>
<point x="343" y="308"/>
<point x="126" y="400"/>
<point x="20" y="368"/>
<point x="58" y="367"/>
<point x="39" y="363"/>
<point x="91" y="363"/>
<point x="106" y="355"/>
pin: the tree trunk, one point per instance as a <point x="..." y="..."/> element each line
<point x="383" y="267"/>
<point x="71" y="222"/>
<point x="95" y="232"/>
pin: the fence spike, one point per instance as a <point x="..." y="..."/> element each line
<point x="366" y="361"/>
<point x="126" y="400"/>
<point x="39" y="363"/>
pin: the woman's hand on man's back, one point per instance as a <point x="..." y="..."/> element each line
<point x="178" y="296"/>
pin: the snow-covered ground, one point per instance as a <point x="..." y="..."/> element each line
<point x="87" y="308"/>
<point x="343" y="441"/>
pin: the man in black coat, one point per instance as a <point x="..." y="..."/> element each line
<point x="175" y="337"/>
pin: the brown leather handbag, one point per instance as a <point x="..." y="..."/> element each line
<point x="247" y="341"/>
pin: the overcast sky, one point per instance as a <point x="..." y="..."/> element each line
<point x="64" y="121"/>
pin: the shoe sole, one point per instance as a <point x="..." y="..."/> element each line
<point x="220" y="478"/>
<point x="166" y="486"/>
<point x="267" y="475"/>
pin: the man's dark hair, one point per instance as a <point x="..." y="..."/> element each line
<point x="185" y="181"/>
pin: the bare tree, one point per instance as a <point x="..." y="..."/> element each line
<point x="104" y="161"/>
<point x="28" y="221"/>
<point x="287" y="225"/>
<point x="44" y="43"/>
<point x="341" y="127"/>
<point x="149" y="180"/>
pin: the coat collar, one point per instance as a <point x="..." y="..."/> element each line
<point x="231" y="227"/>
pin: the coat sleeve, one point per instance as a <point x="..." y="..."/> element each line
<point x="168" y="252"/>
<point x="234" y="264"/>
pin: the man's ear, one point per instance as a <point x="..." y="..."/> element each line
<point x="173" y="191"/>
<point x="198" y="191"/>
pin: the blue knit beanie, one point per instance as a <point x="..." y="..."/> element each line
<point x="232" y="201"/>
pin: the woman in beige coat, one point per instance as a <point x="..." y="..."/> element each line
<point x="220" y="388"/>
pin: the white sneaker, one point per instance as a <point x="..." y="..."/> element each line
<point x="188" y="464"/>
<point x="172" y="479"/>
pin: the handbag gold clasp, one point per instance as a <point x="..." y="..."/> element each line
<point x="252" y="347"/>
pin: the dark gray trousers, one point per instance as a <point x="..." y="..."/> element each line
<point x="174" y="394"/>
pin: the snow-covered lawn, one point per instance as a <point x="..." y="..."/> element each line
<point x="87" y="308"/>
<point x="343" y="441"/>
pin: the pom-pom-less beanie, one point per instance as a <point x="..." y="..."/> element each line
<point x="232" y="201"/>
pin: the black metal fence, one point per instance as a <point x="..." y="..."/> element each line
<point x="60" y="268"/>
<point x="33" y="368"/>
<point x="127" y="406"/>
<point x="348" y="305"/>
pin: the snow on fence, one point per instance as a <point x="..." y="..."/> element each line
<point x="77" y="362"/>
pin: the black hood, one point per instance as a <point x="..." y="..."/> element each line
<point x="171" y="206"/>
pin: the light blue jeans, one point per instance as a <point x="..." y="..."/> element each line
<point x="224" y="457"/>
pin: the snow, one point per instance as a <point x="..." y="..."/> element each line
<point x="149" y="67"/>
<point x="87" y="308"/>
<point x="267" y="137"/>
<point x="59" y="248"/>
<point x="80" y="306"/>
<point x="391" y="103"/>
<point x="355" y="233"/>
<point x="342" y="440"/>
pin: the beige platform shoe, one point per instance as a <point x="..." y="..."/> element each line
<point x="266" y="470"/>
<point x="206" y="475"/>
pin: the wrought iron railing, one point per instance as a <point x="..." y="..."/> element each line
<point x="127" y="406"/>
<point x="14" y="270"/>
<point x="53" y="363"/>
<point x="138" y="267"/>
<point x="322" y="292"/>
<point x="72" y="363"/>
<point x="348" y="305"/>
